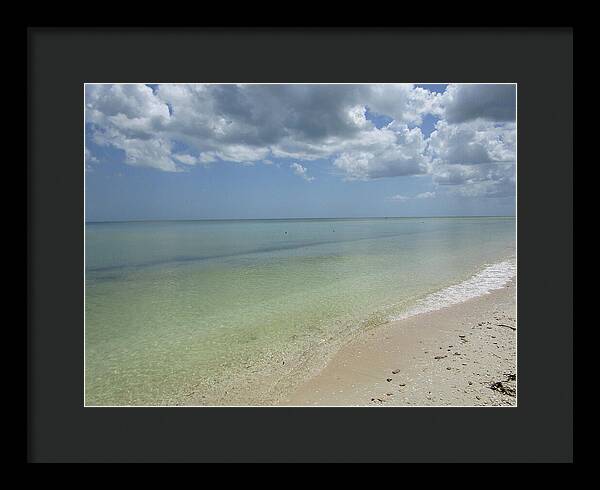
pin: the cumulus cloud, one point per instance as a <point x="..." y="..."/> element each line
<point x="174" y="127"/>
<point x="492" y="102"/>
<point x="473" y="147"/>
<point x="475" y="158"/>
<point x="251" y="123"/>
<point x="301" y="171"/>
<point x="491" y="180"/>
<point x="395" y="151"/>
<point x="402" y="102"/>
<point x="472" y="143"/>
<point x="130" y="118"/>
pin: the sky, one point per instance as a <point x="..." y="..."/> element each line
<point x="234" y="151"/>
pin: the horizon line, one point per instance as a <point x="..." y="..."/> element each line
<point x="302" y="218"/>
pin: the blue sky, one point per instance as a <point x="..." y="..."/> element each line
<point x="278" y="151"/>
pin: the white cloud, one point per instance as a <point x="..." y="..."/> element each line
<point x="403" y="102"/>
<point x="130" y="118"/>
<point x="249" y="123"/>
<point x="207" y="157"/>
<point x="395" y="151"/>
<point x="133" y="101"/>
<point x="185" y="158"/>
<point x="498" y="188"/>
<point x="489" y="180"/>
<point x="399" y="198"/>
<point x="466" y="102"/>
<point x="172" y="127"/>
<point x="155" y="152"/>
<point x="475" y="158"/>
<point x="472" y="143"/>
<point x="403" y="198"/>
<point x="88" y="157"/>
<point x="301" y="171"/>
<point x="242" y="153"/>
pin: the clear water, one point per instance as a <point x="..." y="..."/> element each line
<point x="237" y="312"/>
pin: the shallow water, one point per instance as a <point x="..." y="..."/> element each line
<point x="228" y="312"/>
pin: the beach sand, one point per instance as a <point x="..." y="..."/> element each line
<point x="462" y="355"/>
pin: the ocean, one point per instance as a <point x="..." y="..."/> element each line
<point x="238" y="312"/>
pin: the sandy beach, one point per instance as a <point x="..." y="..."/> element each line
<point x="462" y="355"/>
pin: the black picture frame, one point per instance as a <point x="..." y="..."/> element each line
<point x="61" y="60"/>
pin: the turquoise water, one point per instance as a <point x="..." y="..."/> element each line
<point x="237" y="312"/>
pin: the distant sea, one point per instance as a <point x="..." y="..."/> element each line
<point x="239" y="311"/>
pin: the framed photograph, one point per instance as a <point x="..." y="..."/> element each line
<point x="295" y="249"/>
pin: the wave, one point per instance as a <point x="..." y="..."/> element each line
<point x="494" y="276"/>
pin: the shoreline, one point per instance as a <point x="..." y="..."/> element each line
<point x="393" y="362"/>
<point x="459" y="355"/>
<point x="449" y="356"/>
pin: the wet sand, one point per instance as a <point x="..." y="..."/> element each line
<point x="462" y="355"/>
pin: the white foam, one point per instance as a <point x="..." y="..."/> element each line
<point x="492" y="277"/>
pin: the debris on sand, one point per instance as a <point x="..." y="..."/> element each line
<point x="507" y="326"/>
<point x="506" y="386"/>
<point x="503" y="388"/>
